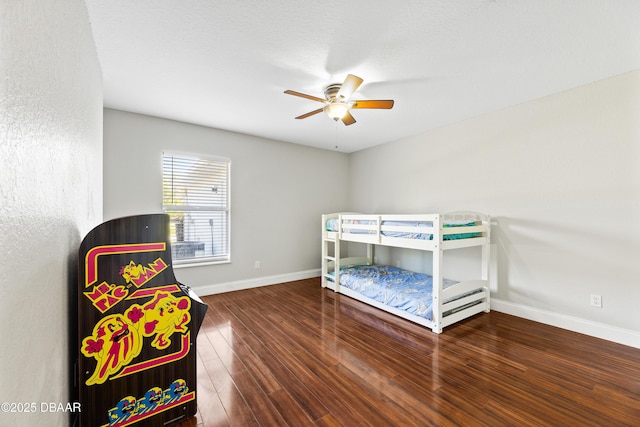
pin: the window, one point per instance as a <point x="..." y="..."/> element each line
<point x="195" y="194"/>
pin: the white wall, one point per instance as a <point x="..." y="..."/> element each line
<point x="278" y="193"/>
<point x="50" y="193"/>
<point x="561" y="178"/>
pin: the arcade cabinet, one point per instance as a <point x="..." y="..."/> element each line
<point x="137" y="327"/>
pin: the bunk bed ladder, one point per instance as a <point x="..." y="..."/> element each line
<point x="330" y="263"/>
<point x="326" y="259"/>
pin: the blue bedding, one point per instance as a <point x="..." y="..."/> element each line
<point x="402" y="289"/>
<point x="332" y="225"/>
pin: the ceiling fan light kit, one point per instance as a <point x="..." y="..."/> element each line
<point x="337" y="101"/>
<point x="336" y="110"/>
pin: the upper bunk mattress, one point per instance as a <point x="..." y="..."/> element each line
<point x="333" y="224"/>
<point x="392" y="286"/>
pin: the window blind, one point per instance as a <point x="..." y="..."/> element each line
<point x="195" y="194"/>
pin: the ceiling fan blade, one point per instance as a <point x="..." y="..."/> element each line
<point x="350" y="85"/>
<point x="304" y="95"/>
<point x="348" y="119"/>
<point x="311" y="113"/>
<point x="384" y="104"/>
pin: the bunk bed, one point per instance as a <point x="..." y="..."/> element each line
<point x="429" y="300"/>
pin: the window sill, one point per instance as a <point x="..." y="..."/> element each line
<point x="199" y="263"/>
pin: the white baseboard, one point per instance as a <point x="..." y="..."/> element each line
<point x="238" y="285"/>
<point x="575" y="324"/>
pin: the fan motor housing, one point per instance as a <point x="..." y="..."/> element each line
<point x="331" y="91"/>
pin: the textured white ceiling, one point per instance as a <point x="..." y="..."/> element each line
<point x="226" y="64"/>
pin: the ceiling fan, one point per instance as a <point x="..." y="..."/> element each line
<point x="337" y="101"/>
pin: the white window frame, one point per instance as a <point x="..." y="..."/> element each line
<point x="169" y="208"/>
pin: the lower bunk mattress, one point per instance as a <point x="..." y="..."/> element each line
<point x="405" y="290"/>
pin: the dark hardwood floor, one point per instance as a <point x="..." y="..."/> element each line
<point x="298" y="355"/>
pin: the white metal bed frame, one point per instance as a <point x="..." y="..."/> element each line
<point x="450" y="305"/>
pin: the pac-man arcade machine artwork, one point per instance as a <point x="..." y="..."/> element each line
<point x="137" y="327"/>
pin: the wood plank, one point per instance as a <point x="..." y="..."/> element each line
<point x="292" y="413"/>
<point x="210" y="409"/>
<point x="260" y="405"/>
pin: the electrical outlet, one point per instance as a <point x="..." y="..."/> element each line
<point x="257" y="264"/>
<point x="596" y="300"/>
